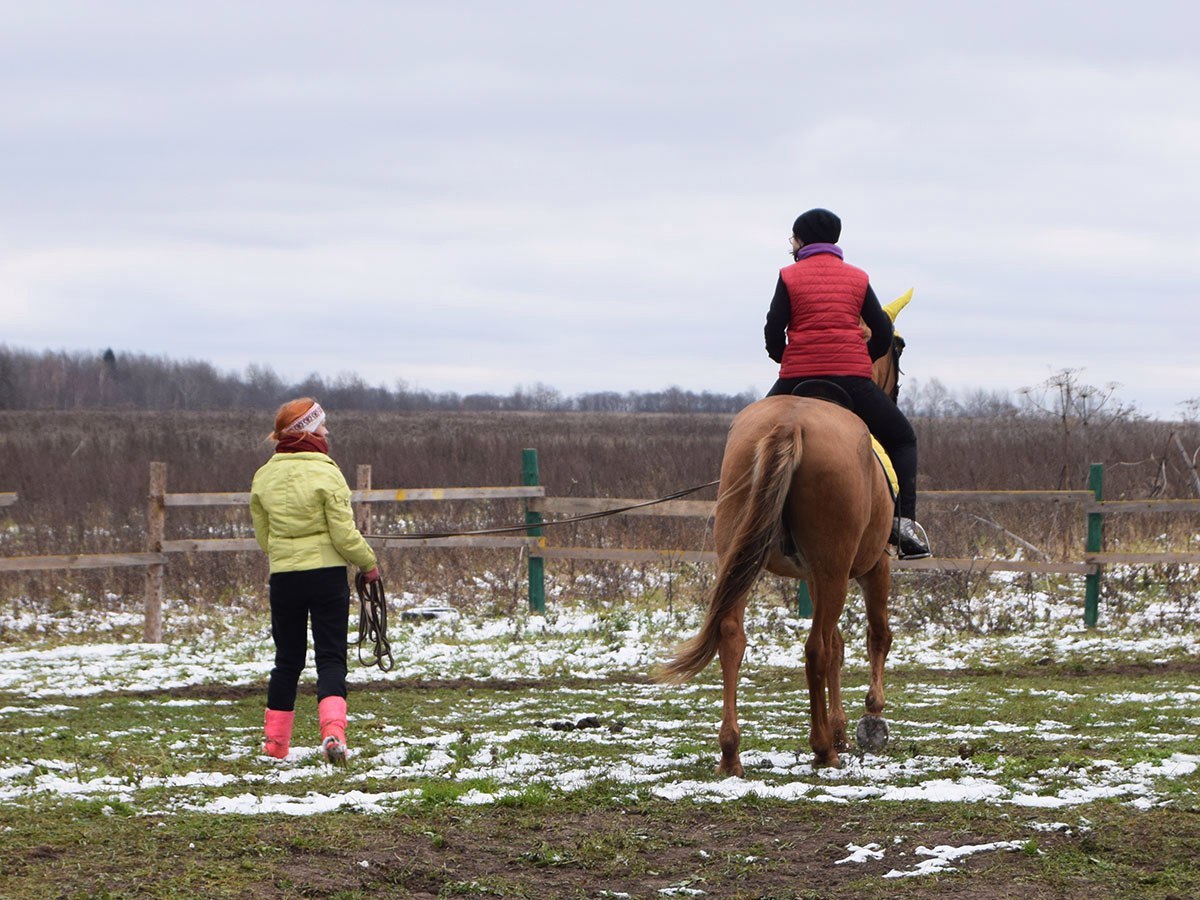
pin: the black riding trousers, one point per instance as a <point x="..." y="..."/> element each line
<point x="324" y="596"/>
<point x="884" y="420"/>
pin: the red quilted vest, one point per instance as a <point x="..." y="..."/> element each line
<point x="823" y="337"/>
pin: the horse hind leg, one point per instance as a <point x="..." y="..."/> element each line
<point x="872" y="731"/>
<point x="731" y="650"/>
<point x="822" y="666"/>
<point x="837" y="711"/>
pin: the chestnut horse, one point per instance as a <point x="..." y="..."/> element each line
<point x="802" y="495"/>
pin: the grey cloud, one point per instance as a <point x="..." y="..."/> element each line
<point x="598" y="197"/>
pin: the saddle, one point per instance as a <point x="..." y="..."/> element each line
<point x="819" y="389"/>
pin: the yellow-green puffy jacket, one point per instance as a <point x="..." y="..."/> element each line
<point x="300" y="503"/>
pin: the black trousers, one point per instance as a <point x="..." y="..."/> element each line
<point x="884" y="420"/>
<point x="323" y="595"/>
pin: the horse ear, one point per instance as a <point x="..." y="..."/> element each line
<point x="893" y="308"/>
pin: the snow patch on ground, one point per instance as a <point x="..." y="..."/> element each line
<point x="599" y="653"/>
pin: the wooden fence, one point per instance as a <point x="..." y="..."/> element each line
<point x="533" y="543"/>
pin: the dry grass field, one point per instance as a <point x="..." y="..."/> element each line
<point x="82" y="479"/>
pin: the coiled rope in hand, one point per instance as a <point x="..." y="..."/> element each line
<point x="372" y="622"/>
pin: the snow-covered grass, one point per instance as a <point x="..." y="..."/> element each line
<point x="1024" y="729"/>
<point x="485" y="711"/>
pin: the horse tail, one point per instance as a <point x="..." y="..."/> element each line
<point x="758" y="530"/>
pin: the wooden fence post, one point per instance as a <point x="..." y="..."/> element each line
<point x="156" y="529"/>
<point x="362" y="515"/>
<point x="537" y="565"/>
<point x="1095" y="543"/>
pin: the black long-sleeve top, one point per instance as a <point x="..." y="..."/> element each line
<point x="781" y="313"/>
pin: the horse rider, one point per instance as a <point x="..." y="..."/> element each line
<point x="814" y="332"/>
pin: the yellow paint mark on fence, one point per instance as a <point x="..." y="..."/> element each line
<point x="401" y="494"/>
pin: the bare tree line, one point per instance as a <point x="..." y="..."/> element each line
<point x="61" y="380"/>
<point x="1060" y="425"/>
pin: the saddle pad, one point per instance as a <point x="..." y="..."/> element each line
<point x="888" y="470"/>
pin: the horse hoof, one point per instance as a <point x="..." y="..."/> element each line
<point x="731" y="771"/>
<point x="871" y="734"/>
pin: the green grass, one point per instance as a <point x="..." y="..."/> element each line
<point x="567" y="821"/>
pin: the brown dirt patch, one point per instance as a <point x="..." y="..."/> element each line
<point x="724" y="851"/>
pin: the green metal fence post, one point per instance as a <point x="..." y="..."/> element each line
<point x="1095" y="543"/>
<point x="537" y="565"/>
<point x="804" y="607"/>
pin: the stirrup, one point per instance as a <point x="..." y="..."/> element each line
<point x="334" y="751"/>
<point x="910" y="539"/>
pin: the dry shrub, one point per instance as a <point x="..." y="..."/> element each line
<point x="82" y="478"/>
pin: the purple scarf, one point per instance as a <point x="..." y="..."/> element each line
<point x="813" y="249"/>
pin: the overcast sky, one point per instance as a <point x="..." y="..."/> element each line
<point x="597" y="196"/>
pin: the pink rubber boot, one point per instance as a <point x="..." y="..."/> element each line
<point x="277" y="732"/>
<point x="331" y="713"/>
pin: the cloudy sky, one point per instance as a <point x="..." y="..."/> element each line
<point x="471" y="196"/>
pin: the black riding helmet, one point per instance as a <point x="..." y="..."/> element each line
<point x="817" y="226"/>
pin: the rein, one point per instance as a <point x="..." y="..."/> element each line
<point x="372" y="609"/>
<point x="372" y="622"/>
<point x="505" y="529"/>
<point x="895" y="373"/>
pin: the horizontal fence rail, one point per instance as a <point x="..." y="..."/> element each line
<point x="1110" y="507"/>
<point x="1007" y="496"/>
<point x="1142" y="559"/>
<point x="535" y="546"/>
<point x="582" y="505"/>
<point x="983" y="566"/>
<point x="80" y="561"/>
<point x="401" y="495"/>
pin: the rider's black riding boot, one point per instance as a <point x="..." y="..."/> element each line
<point x="909" y="538"/>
